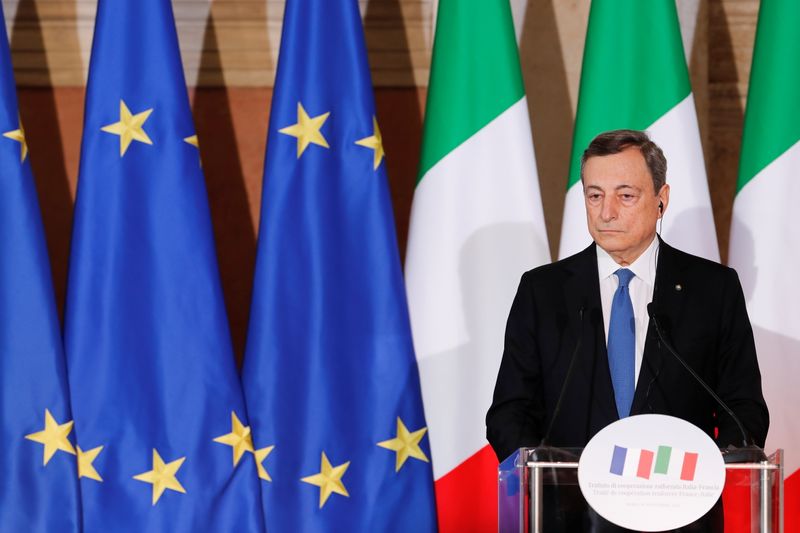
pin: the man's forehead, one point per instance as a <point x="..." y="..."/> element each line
<point x="626" y="168"/>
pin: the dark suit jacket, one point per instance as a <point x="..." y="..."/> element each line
<point x="701" y="310"/>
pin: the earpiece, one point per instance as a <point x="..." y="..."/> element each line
<point x="660" y="207"/>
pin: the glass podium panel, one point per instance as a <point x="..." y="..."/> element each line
<point x="538" y="491"/>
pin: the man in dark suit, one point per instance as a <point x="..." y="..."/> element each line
<point x="597" y="294"/>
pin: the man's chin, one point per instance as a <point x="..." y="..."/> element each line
<point x="608" y="240"/>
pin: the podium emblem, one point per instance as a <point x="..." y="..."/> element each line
<point x="651" y="473"/>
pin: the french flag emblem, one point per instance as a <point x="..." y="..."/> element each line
<point x="666" y="461"/>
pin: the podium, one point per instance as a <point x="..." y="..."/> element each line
<point x="540" y="485"/>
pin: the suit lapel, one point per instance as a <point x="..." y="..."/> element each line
<point x="668" y="305"/>
<point x="582" y="290"/>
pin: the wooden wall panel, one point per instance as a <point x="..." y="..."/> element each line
<point x="731" y="33"/>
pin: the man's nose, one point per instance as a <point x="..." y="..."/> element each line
<point x="608" y="210"/>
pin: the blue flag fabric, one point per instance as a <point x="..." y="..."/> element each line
<point x="330" y="376"/>
<point x="38" y="475"/>
<point x="157" y="399"/>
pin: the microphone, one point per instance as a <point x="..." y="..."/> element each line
<point x="567" y="378"/>
<point x="748" y="452"/>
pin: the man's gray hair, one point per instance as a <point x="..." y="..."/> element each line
<point x="615" y="141"/>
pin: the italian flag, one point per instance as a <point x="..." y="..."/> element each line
<point x="765" y="232"/>
<point x="634" y="76"/>
<point x="476" y="225"/>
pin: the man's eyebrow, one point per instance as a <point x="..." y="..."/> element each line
<point x="624" y="186"/>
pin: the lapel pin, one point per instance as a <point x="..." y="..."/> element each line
<point x="678" y="287"/>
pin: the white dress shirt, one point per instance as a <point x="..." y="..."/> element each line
<point x="640" y="289"/>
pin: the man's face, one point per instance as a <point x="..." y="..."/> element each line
<point x="621" y="207"/>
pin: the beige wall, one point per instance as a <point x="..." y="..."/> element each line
<point x="230" y="48"/>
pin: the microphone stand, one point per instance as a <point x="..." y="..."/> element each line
<point x="545" y="452"/>
<point x="749" y="452"/>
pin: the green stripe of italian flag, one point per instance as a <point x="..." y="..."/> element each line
<point x="765" y="234"/>
<point x="476" y="225"/>
<point x="634" y="76"/>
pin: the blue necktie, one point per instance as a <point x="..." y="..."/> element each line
<point x="622" y="344"/>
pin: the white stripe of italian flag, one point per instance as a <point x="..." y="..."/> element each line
<point x="765" y="234"/>
<point x="635" y="77"/>
<point x="476" y="225"/>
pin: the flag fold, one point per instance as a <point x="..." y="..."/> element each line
<point x="476" y="225"/>
<point x="765" y="238"/>
<point x="159" y="411"/>
<point x="329" y="372"/>
<point x="39" y="487"/>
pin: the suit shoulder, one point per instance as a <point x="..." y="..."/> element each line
<point x="560" y="268"/>
<point x="696" y="261"/>
<point x="702" y="266"/>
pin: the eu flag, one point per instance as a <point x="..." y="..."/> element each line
<point x="159" y="410"/>
<point x="330" y="376"/>
<point x="38" y="476"/>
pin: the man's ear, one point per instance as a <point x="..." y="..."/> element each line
<point x="663" y="199"/>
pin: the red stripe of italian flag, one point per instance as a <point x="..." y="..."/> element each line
<point x="476" y="225"/>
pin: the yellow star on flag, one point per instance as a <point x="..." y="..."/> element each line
<point x="374" y="142"/>
<point x="129" y="128"/>
<point x="192" y="139"/>
<point x="19" y="136"/>
<point x="260" y="455"/>
<point x="162" y="476"/>
<point x="85" y="466"/>
<point x="406" y="444"/>
<point x="307" y="130"/>
<point x="53" y="436"/>
<point x="240" y="439"/>
<point x="329" y="480"/>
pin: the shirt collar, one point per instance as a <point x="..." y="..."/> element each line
<point x="643" y="268"/>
